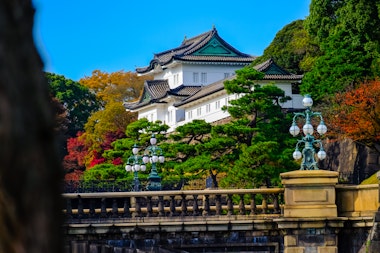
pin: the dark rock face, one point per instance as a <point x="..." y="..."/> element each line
<point x="354" y="161"/>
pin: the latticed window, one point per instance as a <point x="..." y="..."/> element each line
<point x="217" y="104"/>
<point x="195" y="77"/>
<point x="203" y="77"/>
<point x="208" y="108"/>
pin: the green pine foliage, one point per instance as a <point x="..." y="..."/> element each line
<point x="105" y="172"/>
<point x="260" y="129"/>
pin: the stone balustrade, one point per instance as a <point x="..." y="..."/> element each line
<point x="265" y="219"/>
<point x="193" y="203"/>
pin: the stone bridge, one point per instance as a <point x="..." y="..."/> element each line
<point x="310" y="214"/>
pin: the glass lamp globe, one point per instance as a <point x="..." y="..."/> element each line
<point x="153" y="140"/>
<point x="128" y="167"/>
<point x="154" y="158"/>
<point x="143" y="167"/>
<point x="145" y="159"/>
<point x="307" y="101"/>
<point x="322" y="129"/>
<point x="137" y="167"/>
<point x="297" y="155"/>
<point x="161" y="159"/>
<point x="308" y="129"/>
<point x="135" y="150"/>
<point x="321" y="154"/>
<point x="294" y="129"/>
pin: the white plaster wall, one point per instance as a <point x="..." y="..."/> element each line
<point x="296" y="101"/>
<point x="150" y="114"/>
<point x="169" y="74"/>
<point x="154" y="114"/>
<point x="185" y="73"/>
<point x="214" y="72"/>
<point x="215" y="113"/>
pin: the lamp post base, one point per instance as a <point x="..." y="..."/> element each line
<point x="154" y="183"/>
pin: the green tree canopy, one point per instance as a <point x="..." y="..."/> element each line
<point x="76" y="98"/>
<point x="291" y="48"/>
<point x="348" y="33"/>
<point x="196" y="153"/>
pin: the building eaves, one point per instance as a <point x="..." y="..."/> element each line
<point x="211" y="58"/>
<point x="204" y="91"/>
<point x="283" y="77"/>
<point x="155" y="91"/>
<point x="184" y="90"/>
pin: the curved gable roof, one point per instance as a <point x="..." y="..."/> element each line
<point x="206" y="47"/>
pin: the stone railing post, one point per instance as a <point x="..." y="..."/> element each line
<point x="310" y="218"/>
<point x="127" y="205"/>
<point x="195" y="205"/>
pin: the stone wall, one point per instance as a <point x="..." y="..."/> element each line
<point x="354" y="161"/>
<point x="181" y="241"/>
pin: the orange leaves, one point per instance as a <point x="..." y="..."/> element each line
<point x="357" y="114"/>
<point x="115" y="86"/>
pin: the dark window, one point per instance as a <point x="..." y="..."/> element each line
<point x="295" y="88"/>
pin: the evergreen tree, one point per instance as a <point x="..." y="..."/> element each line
<point x="259" y="128"/>
<point x="198" y="153"/>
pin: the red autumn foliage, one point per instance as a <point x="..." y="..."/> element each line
<point x="358" y="114"/>
<point x="76" y="175"/>
<point x="117" y="161"/>
<point x="77" y="151"/>
<point x="96" y="159"/>
<point x="111" y="137"/>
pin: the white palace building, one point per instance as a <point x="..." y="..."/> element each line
<point x="188" y="81"/>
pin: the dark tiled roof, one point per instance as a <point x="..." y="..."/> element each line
<point x="211" y="58"/>
<point x="154" y="90"/>
<point x="204" y="91"/>
<point x="184" y="90"/>
<point x="190" y="50"/>
<point x="274" y="72"/>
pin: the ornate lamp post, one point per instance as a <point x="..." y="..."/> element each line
<point x="308" y="153"/>
<point x="135" y="163"/>
<point x="153" y="154"/>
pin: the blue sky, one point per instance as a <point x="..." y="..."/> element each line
<point x="75" y="37"/>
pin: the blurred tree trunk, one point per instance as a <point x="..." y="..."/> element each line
<point x="30" y="202"/>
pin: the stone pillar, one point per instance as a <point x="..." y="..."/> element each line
<point x="310" y="193"/>
<point x="310" y="222"/>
